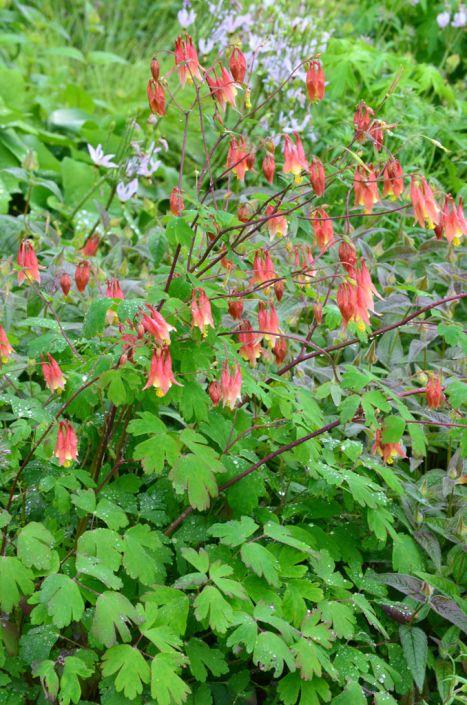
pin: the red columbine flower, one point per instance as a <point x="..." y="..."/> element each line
<point x="263" y="268"/>
<point x="161" y="376"/>
<point x="176" y="201"/>
<point x="434" y="392"/>
<point x="426" y="210"/>
<point x="231" y="385"/>
<point x="245" y="211"/>
<point x="90" y="246"/>
<point x="388" y="451"/>
<point x="237" y="158"/>
<point x="27" y="260"/>
<point x="269" y="166"/>
<point x="393" y="179"/>
<point x="5" y="347"/>
<point x="376" y="133"/>
<point x="280" y="350"/>
<point x="236" y="308"/>
<point x="279" y="287"/>
<point x="323" y="229"/>
<point x="215" y="392"/>
<point x="82" y="273"/>
<point x="268" y="321"/>
<point x="114" y="290"/>
<point x="315" y="81"/>
<point x="156" y="97"/>
<point x="317" y="176"/>
<point x="451" y="222"/>
<point x="65" y="283"/>
<point x="66" y="449"/>
<point x="222" y="88"/>
<point x="347" y="301"/>
<point x="294" y="157"/>
<point x="304" y="264"/>
<point x="201" y="314"/>
<point x="362" y="120"/>
<point x="365" y="293"/>
<point x="53" y="375"/>
<point x="155" y="324"/>
<point x="365" y="187"/>
<point x="251" y="344"/>
<point x="276" y="223"/>
<point x="186" y="60"/>
<point x="238" y="65"/>
<point x="348" y="257"/>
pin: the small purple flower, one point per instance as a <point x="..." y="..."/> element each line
<point x="127" y="191"/>
<point x="443" y="19"/>
<point x="186" y="17"/>
<point x="460" y="18"/>
<point x="100" y="159"/>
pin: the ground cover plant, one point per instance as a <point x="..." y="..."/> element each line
<point x="232" y="357"/>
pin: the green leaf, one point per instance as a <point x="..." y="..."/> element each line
<point x="195" y="474"/>
<point x="351" y="695"/>
<point x="306" y="658"/>
<point x="15" y="580"/>
<point x="94" y="321"/>
<point x="340" y="616"/>
<point x="210" y="605"/>
<point x="234" y="533"/>
<point x="178" y="232"/>
<point x="355" y="379"/>
<point x="74" y="669"/>
<point x="261" y="561"/>
<point x="143" y="554"/>
<point x="457" y="393"/>
<point x="393" y="429"/>
<point x="45" y="670"/>
<point x="415" y="647"/>
<point x="406" y="557"/>
<point x="203" y="659"/>
<point x="349" y="407"/>
<point x="34" y="546"/>
<point x="61" y="598"/>
<point x="37" y="643"/>
<point x="167" y="688"/>
<point x="131" y="668"/>
<point x="218" y="574"/>
<point x="272" y="653"/>
<point x="112" y="615"/>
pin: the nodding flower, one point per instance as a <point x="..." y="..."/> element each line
<point x="451" y="222"/>
<point x="90" y="246"/>
<point x="393" y="179"/>
<point x="355" y="300"/>
<point x="250" y="342"/>
<point x="276" y="222"/>
<point x="295" y="161"/>
<point x="376" y="133"/>
<point x="426" y="210"/>
<point x="215" y="392"/>
<point x="161" y="376"/>
<point x="279" y="287"/>
<point x="315" y="81"/>
<point x="304" y="264"/>
<point x="245" y="211"/>
<point x="156" y="97"/>
<point x="317" y="176"/>
<point x="318" y="312"/>
<point x="236" y="308"/>
<point x="365" y="187"/>
<point x="388" y="451"/>
<point x="5" y="347"/>
<point x="269" y="166"/>
<point x="237" y="157"/>
<point x="222" y="87"/>
<point x="263" y="268"/>
<point x="434" y="392"/>
<point x="155" y="69"/>
<point x="238" y="65"/>
<point x="82" y="273"/>
<point x="65" y="283"/>
<point x="323" y="229"/>
<point x="114" y="290"/>
<point x="186" y="60"/>
<point x="362" y="120"/>
<point x="201" y="314"/>
<point x="155" y="324"/>
<point x="268" y="321"/>
<point x="347" y="301"/>
<point x="231" y="385"/>
<point x="280" y="350"/>
<point x="66" y="448"/>
<point x="176" y="201"/>
<point x="53" y="375"/>
<point x="27" y="260"/>
<point x="348" y="257"/>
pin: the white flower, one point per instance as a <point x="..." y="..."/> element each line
<point x="100" y="159"/>
<point x="460" y="18"/>
<point x="186" y="17"/>
<point x="443" y="19"/>
<point x="127" y="191"/>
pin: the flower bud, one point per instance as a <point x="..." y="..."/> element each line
<point x="348" y="256"/>
<point x="82" y="274"/>
<point x="156" y="97"/>
<point x="236" y="308"/>
<point x="215" y="392"/>
<point x="318" y="312"/>
<point x="176" y="201"/>
<point x="279" y="287"/>
<point x="65" y="283"/>
<point x="237" y="65"/>
<point x="155" y="69"/>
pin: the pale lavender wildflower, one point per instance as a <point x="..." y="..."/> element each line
<point x="127" y="191"/>
<point x="100" y="159"/>
<point x="460" y="18"/>
<point x="443" y="19"/>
